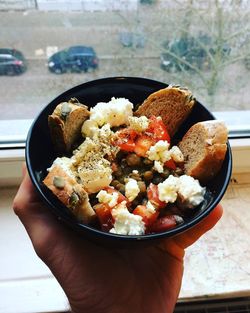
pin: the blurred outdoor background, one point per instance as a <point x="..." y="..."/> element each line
<point x="204" y="45"/>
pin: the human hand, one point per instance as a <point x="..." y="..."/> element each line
<point x="98" y="279"/>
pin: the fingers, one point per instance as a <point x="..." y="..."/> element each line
<point x="24" y="169"/>
<point x="175" y="246"/>
<point x="41" y="226"/>
<point x="27" y="192"/>
<point x="189" y="237"/>
<point x="27" y="204"/>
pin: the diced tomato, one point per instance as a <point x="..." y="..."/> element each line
<point x="126" y="139"/>
<point x="153" y="196"/>
<point x="103" y="212"/>
<point x="143" y="144"/>
<point x="158" y="128"/>
<point x="148" y="217"/>
<point x="127" y="133"/>
<point x="121" y="197"/>
<point x="163" y="223"/>
<point x="170" y="164"/>
<point x="127" y="145"/>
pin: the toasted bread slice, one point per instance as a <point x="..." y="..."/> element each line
<point x="204" y="147"/>
<point x="70" y="193"/>
<point x="65" y="124"/>
<point x="173" y="104"/>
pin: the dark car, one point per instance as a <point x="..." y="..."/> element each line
<point x="73" y="59"/>
<point x="187" y="52"/>
<point x="247" y="62"/>
<point x="12" y="62"/>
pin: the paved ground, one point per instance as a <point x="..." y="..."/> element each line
<point x="28" y="93"/>
<point x="33" y="32"/>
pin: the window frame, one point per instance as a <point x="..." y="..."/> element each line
<point x="14" y="133"/>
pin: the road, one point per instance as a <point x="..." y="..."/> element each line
<point x="25" y="95"/>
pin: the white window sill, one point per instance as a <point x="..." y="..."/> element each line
<point x="11" y="161"/>
<point x="14" y="132"/>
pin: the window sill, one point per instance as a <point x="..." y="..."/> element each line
<point x="11" y="161"/>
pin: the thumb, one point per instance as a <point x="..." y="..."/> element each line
<point x="192" y="235"/>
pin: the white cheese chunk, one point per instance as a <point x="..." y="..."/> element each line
<point x="89" y="128"/>
<point x="115" y="112"/>
<point x="95" y="175"/>
<point x="185" y="188"/>
<point x="176" y="154"/>
<point x="66" y="164"/>
<point x="93" y="169"/>
<point x="139" y="124"/>
<point x="168" y="189"/>
<point x="126" y="223"/>
<point x="190" y="191"/>
<point x="131" y="189"/>
<point x="104" y="197"/>
<point x="158" y="166"/>
<point x="159" y="152"/>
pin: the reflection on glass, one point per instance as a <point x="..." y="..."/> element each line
<point x="203" y="45"/>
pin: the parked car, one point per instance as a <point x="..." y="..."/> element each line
<point x="247" y="62"/>
<point x="73" y="59"/>
<point x="187" y="51"/>
<point x="12" y="62"/>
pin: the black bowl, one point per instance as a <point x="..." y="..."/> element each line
<point x="40" y="154"/>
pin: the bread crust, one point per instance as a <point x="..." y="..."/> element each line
<point x="65" y="129"/>
<point x="204" y="147"/>
<point x="173" y="104"/>
<point x="82" y="208"/>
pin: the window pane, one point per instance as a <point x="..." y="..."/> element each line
<point x="204" y="45"/>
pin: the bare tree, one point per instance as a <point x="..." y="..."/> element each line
<point x="201" y="42"/>
<point x="227" y="23"/>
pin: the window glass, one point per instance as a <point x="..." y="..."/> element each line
<point x="204" y="45"/>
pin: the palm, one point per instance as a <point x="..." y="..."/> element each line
<point x="99" y="279"/>
<point x="136" y="278"/>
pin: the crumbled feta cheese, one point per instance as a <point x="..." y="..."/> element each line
<point x="176" y="154"/>
<point x="115" y="112"/>
<point x="65" y="163"/>
<point x="131" y="189"/>
<point x="158" y="166"/>
<point x="88" y="146"/>
<point x="168" y="189"/>
<point x="150" y="207"/>
<point x="139" y="124"/>
<point x="159" y="152"/>
<point x="94" y="170"/>
<point x="104" y="135"/>
<point x="187" y="189"/>
<point x="126" y="223"/>
<point x="190" y="191"/>
<point x="104" y="197"/>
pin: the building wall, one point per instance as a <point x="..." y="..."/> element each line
<point x="110" y="5"/>
<point x="17" y="5"/>
<point x="86" y="5"/>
